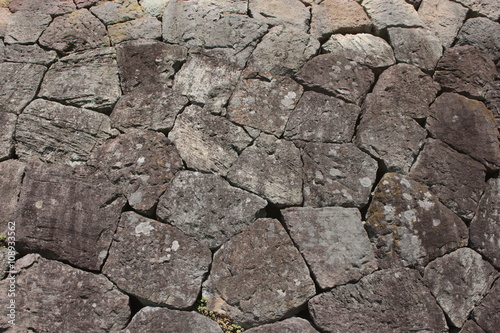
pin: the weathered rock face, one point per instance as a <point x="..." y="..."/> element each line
<point x="68" y="214"/>
<point x="372" y="305"/>
<point x="483" y="34"/>
<point x="459" y="281"/>
<point x="286" y="12"/>
<point x="286" y="326"/>
<point x="470" y="326"/>
<point x="5" y="268"/>
<point x="29" y="53"/>
<point x="270" y="284"/>
<point x="391" y="13"/>
<point x="489" y="8"/>
<point x="51" y="294"/>
<point x="486" y="313"/>
<point x="409" y="226"/>
<point x="12" y="175"/>
<point x="26" y="26"/>
<point x="8" y="121"/>
<point x="111" y="12"/>
<point x="154" y="7"/>
<point x="144" y="27"/>
<point x="156" y="262"/>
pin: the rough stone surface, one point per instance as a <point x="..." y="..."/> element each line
<point x="144" y="27"/>
<point x="25" y="27"/>
<point x="68" y="214"/>
<point x="20" y="83"/>
<point x="189" y="202"/>
<point x="8" y="121"/>
<point x="56" y="133"/>
<point x="323" y="118"/>
<point x="483" y="34"/>
<point x="73" y="32"/>
<point x="484" y="231"/>
<point x="51" y="294"/>
<point x="337" y="175"/>
<point x="489" y="8"/>
<point x="467" y="126"/>
<point x="470" y="326"/>
<point x="154" y="7"/>
<point x="459" y="281"/>
<point x="333" y="242"/>
<point x="456" y="179"/>
<point x="29" y="53"/>
<point x="289" y="325"/>
<point x="168" y="267"/>
<point x="12" y="175"/>
<point x="365" y="49"/>
<point x="111" y="12"/>
<point x="85" y="3"/>
<point x="409" y="226"/>
<point x="54" y="7"/>
<point x="391" y="13"/>
<point x="264" y="101"/>
<point x="87" y="79"/>
<point x="281" y="12"/>
<point x="391" y="300"/>
<point x="486" y="313"/>
<point x="271" y="168"/>
<point x="154" y="319"/>
<point x="4" y="265"/>
<point x="5" y="18"/>
<point x="337" y="75"/>
<point x="270" y="284"/>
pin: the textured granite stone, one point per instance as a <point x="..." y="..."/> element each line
<point x="483" y="34"/>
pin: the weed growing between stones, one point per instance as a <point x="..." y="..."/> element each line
<point x="224" y="322"/>
<point x="3" y="241"/>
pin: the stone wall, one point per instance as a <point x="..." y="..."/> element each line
<point x="302" y="166"/>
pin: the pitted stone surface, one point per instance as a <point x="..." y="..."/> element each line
<point x="289" y="325"/>
<point x="391" y="13"/>
<point x="143" y="27"/>
<point x="154" y="7"/>
<point x="29" y="53"/>
<point x="10" y="186"/>
<point x="486" y="313"/>
<point x="281" y="12"/>
<point x="8" y="121"/>
<point x="116" y="11"/>
<point x="26" y="26"/>
<point x="483" y="34"/>
<point x="54" y="7"/>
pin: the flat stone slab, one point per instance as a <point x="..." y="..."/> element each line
<point x="483" y="34"/>
<point x="409" y="226"/>
<point x="168" y="265"/>
<point x="29" y="53"/>
<point x="111" y="12"/>
<point x="143" y="27"/>
<point x="271" y="284"/>
<point x="281" y="12"/>
<point x="25" y="27"/>
<point x="12" y="172"/>
<point x="333" y="242"/>
<point x="189" y="202"/>
<point x="294" y="324"/>
<point x="486" y="313"/>
<point x="68" y="214"/>
<point x="391" y="13"/>
<point x="337" y="175"/>
<point x="459" y="281"/>
<point x="8" y="121"/>
<point x="372" y="305"/>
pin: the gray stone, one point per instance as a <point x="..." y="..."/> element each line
<point x="85" y="3"/>
<point x="56" y="133"/>
<point x="488" y="8"/>
<point x="290" y="325"/>
<point x="111" y="12"/>
<point x="391" y="13"/>
<point x="258" y="276"/>
<point x="155" y="319"/>
<point x="73" y="32"/>
<point x="12" y="172"/>
<point x="20" y="83"/>
<point x="29" y="53"/>
<point x="484" y="231"/>
<point x="154" y="7"/>
<point x="53" y="7"/>
<point x="337" y="175"/>
<point x="68" y="214"/>
<point x="470" y="326"/>
<point x="323" y="118"/>
<point x="8" y="121"/>
<point x="456" y="179"/>
<point x="168" y="266"/>
<point x="208" y="142"/>
<point x="459" y="281"/>
<point x="143" y="27"/>
<point x="264" y="101"/>
<point x="492" y="97"/>
<point x="271" y="168"/>
<point x="392" y="300"/>
<point x="2" y="51"/>
<point x="281" y="12"/>
<point x="283" y="51"/>
<point x="5" y="18"/>
<point x="483" y="34"/>
<point x="338" y="76"/>
<point x="416" y="46"/>
<point x="26" y="26"/>
<point x="486" y="313"/>
<point x="467" y="126"/>
<point x="333" y="242"/>
<point x="409" y="226"/>
<point x="365" y="49"/>
<point x="141" y="163"/>
<point x="207" y="208"/>
<point x="87" y="79"/>
<point x="148" y="62"/>
<point x="54" y="296"/>
<point x="4" y="262"/>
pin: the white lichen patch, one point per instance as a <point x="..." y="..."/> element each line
<point x="39" y="204"/>
<point x="407" y="196"/>
<point x="365" y="182"/>
<point x="135" y="198"/>
<point x="143" y="228"/>
<point x="289" y="100"/>
<point x="141" y="160"/>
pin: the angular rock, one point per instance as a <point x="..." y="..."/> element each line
<point x="323" y="118"/>
<point x="141" y="163"/>
<point x="87" y="79"/>
<point x="155" y="319"/>
<point x="337" y="175"/>
<point x="73" y="32"/>
<point x="208" y="142"/>
<point x="283" y="51"/>
<point x="281" y="12"/>
<point x="8" y="121"/>
<point x="470" y="326"/>
<point x="271" y="168"/>
<point x="459" y="281"/>
<point x="51" y="295"/>
<point x="264" y="101"/>
<point x="148" y="62"/>
<point x="143" y="27"/>
<point x="147" y="108"/>
<point x="20" y="83"/>
<point x="486" y="313"/>
<point x="488" y="8"/>
<point x="12" y="172"/>
<point x="270" y="284"/>
<point x="338" y="76"/>
<point x="484" y="231"/>
<point x="373" y="305"/>
<point x="289" y="325"/>
<point x="467" y="126"/>
<point x="56" y="133"/>
<point x="333" y="242"/>
<point x="111" y="12"/>
<point x="483" y="34"/>
<point x="207" y="208"/>
<point x="85" y="3"/>
<point x="169" y="266"/>
<point x="68" y="214"/>
<point x="29" y="53"/>
<point x="26" y="26"/>
<point x="54" y="7"/>
<point x="5" y="18"/>
<point x="416" y="46"/>
<point x="365" y="49"/>
<point x="391" y="13"/>
<point x="409" y="226"/>
<point x="154" y="7"/>
<point x="456" y="179"/>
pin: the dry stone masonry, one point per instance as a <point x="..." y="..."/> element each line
<point x="220" y="166"/>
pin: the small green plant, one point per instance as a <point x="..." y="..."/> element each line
<point x="224" y="322"/>
<point x="3" y="241"/>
